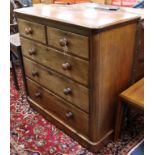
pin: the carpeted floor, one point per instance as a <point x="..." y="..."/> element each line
<point x="32" y="134"/>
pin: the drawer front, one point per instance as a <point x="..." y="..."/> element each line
<point x="67" y="89"/>
<point x="76" y="44"/>
<point x="58" y="107"/>
<point x="31" y="30"/>
<point x="71" y="67"/>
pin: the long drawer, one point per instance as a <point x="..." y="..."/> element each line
<point x="58" y="107"/>
<point x="32" y="30"/>
<point x="76" y="44"/>
<point x="70" y="66"/>
<point x="64" y="87"/>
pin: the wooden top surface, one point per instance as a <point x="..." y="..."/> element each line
<point x="137" y="11"/>
<point x="80" y="15"/>
<point x="135" y="94"/>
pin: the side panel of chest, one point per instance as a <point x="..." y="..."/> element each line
<point x="111" y="62"/>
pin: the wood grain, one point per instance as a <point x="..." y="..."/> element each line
<point x="135" y="94"/>
<point x="54" y="59"/>
<point x="59" y="107"/>
<point x="38" y="30"/>
<point x="57" y="83"/>
<point x="78" y="15"/>
<point x="77" y="44"/>
<point x="112" y="60"/>
<point x="133" y="97"/>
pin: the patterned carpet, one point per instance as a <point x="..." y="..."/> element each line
<point x="32" y="134"/>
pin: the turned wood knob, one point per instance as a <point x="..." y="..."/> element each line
<point x="63" y="42"/>
<point x="67" y="91"/>
<point x="32" y="51"/>
<point x="28" y="30"/>
<point x="66" y="66"/>
<point x="35" y="73"/>
<point x="69" y="114"/>
<point x="37" y="94"/>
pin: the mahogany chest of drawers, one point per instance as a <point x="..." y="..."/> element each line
<point x="76" y="61"/>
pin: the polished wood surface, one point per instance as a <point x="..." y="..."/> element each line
<point x="78" y="15"/>
<point x="58" y="84"/>
<point x="115" y="54"/>
<point x="58" y="107"/>
<point x="59" y="39"/>
<point x="32" y="30"/>
<point x="137" y="11"/>
<point x="104" y="40"/>
<point x="42" y="54"/>
<point x="135" y="94"/>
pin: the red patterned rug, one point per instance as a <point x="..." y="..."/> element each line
<point x="32" y="134"/>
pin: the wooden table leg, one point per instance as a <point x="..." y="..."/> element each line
<point x="14" y="72"/>
<point x="118" y="122"/>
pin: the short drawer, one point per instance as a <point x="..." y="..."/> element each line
<point x="76" y="44"/>
<point x="72" y="67"/>
<point x="69" y="114"/>
<point x="31" y="30"/>
<point x="60" y="85"/>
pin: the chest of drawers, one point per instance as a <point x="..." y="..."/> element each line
<point x="74" y="66"/>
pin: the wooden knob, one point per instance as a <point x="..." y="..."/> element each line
<point x="63" y="42"/>
<point x="37" y="94"/>
<point x="32" y="51"/>
<point x="66" y="66"/>
<point x="35" y="73"/>
<point x="69" y="114"/>
<point x="28" y="30"/>
<point x="67" y="91"/>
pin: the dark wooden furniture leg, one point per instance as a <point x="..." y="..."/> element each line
<point x="14" y="72"/>
<point x="118" y="123"/>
